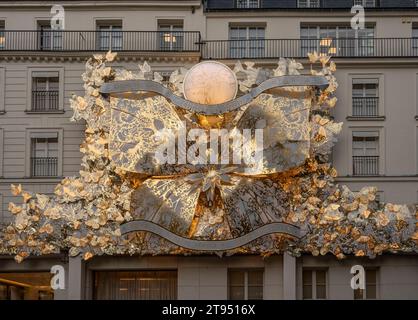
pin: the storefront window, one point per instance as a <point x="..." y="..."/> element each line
<point x="135" y="285"/>
<point x="26" y="286"/>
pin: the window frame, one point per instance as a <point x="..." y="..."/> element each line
<point x="340" y="45"/>
<point x="248" y="41"/>
<point x="112" y="23"/>
<point x="381" y="107"/>
<point x="94" y="272"/>
<point x="376" y="284"/>
<point x="382" y="150"/>
<point x="247" y="4"/>
<point x="246" y="282"/>
<point x="310" y="4"/>
<point x="2" y="33"/>
<point x="2" y="90"/>
<point x="313" y="271"/>
<point x="28" y="150"/>
<point x="162" y="34"/>
<point x="31" y="71"/>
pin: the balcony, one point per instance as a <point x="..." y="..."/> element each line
<point x="299" y="48"/>
<point x="366" y="165"/>
<point x="44" y="167"/>
<point x="45" y="101"/>
<point x="91" y="41"/>
<point x="365" y="107"/>
<point x="235" y="5"/>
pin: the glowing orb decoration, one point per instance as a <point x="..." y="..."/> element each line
<point x="209" y="83"/>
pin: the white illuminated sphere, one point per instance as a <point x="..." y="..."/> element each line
<point x="210" y="82"/>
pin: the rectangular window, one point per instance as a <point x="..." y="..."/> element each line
<point x="314" y="282"/>
<point x="414" y="39"/>
<point x="370" y="291"/>
<point x="135" y="285"/>
<point x="45" y="91"/>
<point x="337" y="40"/>
<point x="247" y="4"/>
<point x="245" y="284"/>
<point x="2" y="35"/>
<point x="365" y="3"/>
<point x="109" y="36"/>
<point x="44" y="154"/>
<point x="170" y="35"/>
<point x="247" y="41"/>
<point x="366" y="153"/>
<point x="309" y="4"/>
<point x="49" y="39"/>
<point x="365" y="97"/>
<point x="26" y="286"/>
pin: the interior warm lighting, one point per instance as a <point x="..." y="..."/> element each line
<point x="332" y="50"/>
<point x="326" y="42"/>
<point x="168" y="37"/>
<point x="2" y="40"/>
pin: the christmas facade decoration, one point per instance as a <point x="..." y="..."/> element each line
<point x="280" y="196"/>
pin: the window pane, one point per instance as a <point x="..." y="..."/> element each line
<point x="371" y="282"/>
<point x="26" y="286"/>
<point x="255" y="284"/>
<point x="236" y="293"/>
<point x="321" y="292"/>
<point x="255" y="292"/>
<point x="136" y="285"/>
<point x="307" y="284"/>
<point x="237" y="278"/>
<point x="255" y="278"/>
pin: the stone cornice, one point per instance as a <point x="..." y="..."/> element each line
<point x="184" y="57"/>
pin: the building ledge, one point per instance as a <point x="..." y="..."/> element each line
<point x="354" y="118"/>
<point x="382" y="178"/>
<point x="2" y="112"/>
<point x="45" y="112"/>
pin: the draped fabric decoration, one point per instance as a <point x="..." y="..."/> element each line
<point x="290" y="184"/>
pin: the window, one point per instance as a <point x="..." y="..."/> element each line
<point x="247" y="4"/>
<point x="314" y="284"/>
<point x="245" y="285"/>
<point x="26" y="286"/>
<point x="48" y="39"/>
<point x="44" y="154"/>
<point x="309" y="4"/>
<point x="415" y="39"/>
<point x="365" y="153"/>
<point x="2" y="35"/>
<point x="337" y="40"/>
<point x="246" y="41"/>
<point x="135" y="285"/>
<point x="365" y="97"/>
<point x="170" y="35"/>
<point x="365" y="3"/>
<point x="370" y="291"/>
<point x="110" y="36"/>
<point x="45" y="91"/>
<point x="2" y="89"/>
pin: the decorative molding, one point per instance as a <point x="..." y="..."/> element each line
<point x="122" y="87"/>
<point x="210" y="245"/>
<point x="353" y="118"/>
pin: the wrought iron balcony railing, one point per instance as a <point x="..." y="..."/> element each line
<point x="44" y="167"/>
<point x="44" y="101"/>
<point x="365" y="106"/>
<point x="299" y="48"/>
<point x="89" y="41"/>
<point x="366" y="165"/>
